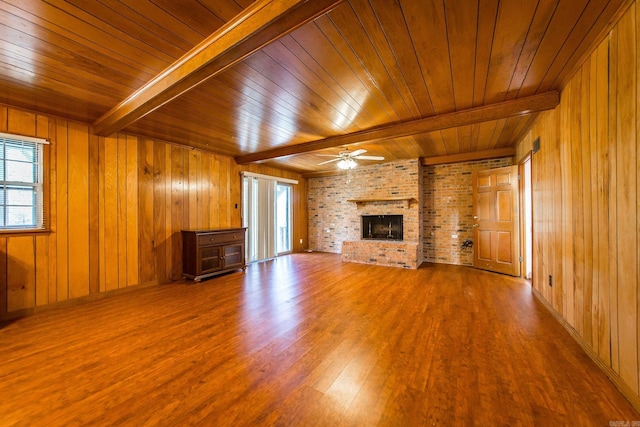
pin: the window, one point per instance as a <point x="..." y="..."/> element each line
<point x="21" y="189"/>
<point x="266" y="212"/>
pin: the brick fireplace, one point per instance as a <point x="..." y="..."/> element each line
<point x="338" y="203"/>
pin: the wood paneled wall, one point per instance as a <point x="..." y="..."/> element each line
<point x="586" y="196"/>
<point x="116" y="207"/>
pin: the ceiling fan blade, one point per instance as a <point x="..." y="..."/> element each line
<point x="369" y="157"/>
<point x="357" y="152"/>
<point x="326" y="155"/>
<point x="328" y="161"/>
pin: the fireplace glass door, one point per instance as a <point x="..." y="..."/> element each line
<point x="382" y="227"/>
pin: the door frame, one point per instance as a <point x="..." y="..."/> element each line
<point x="525" y="237"/>
<point x="289" y="219"/>
<point x="528" y="156"/>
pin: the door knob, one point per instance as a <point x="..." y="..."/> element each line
<point x="475" y="217"/>
<point x="476" y="225"/>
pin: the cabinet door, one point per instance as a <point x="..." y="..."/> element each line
<point x="234" y="255"/>
<point x="210" y="259"/>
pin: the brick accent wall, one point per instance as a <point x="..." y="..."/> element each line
<point x="448" y="209"/>
<point x="333" y="220"/>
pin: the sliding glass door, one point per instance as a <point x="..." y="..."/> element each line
<point x="283" y="218"/>
<point x="266" y="212"/>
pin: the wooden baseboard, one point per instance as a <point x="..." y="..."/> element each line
<point x="626" y="391"/>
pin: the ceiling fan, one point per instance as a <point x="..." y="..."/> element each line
<point x="347" y="159"/>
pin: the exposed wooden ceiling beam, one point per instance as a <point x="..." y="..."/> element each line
<point x="260" y="24"/>
<point x="528" y="105"/>
<point x="470" y="156"/>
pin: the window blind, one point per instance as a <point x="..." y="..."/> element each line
<point x="21" y="182"/>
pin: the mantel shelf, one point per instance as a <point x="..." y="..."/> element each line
<point x="407" y="200"/>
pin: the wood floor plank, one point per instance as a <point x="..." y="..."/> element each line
<point x="306" y="339"/>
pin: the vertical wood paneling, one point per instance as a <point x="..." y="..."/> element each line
<point x="193" y="189"/>
<point x="602" y="147"/>
<point x="553" y="126"/>
<point x="199" y="182"/>
<point x="577" y="223"/>
<point x="132" y="212"/>
<point x="225" y="210"/>
<point x="626" y="200"/>
<point x="116" y="208"/>
<point x="78" y="209"/>
<point x="205" y="167"/>
<point x="121" y="209"/>
<point x="215" y="191"/>
<point x="587" y="203"/>
<point x="540" y="228"/>
<point x="42" y="270"/>
<point x="62" y="237"/>
<point x="186" y="195"/>
<point x="21" y="122"/>
<point x="21" y="282"/>
<point x="592" y="152"/>
<point x="585" y="166"/>
<point x="147" y="263"/>
<point x="613" y="195"/>
<point x="567" y="211"/>
<point x="102" y="214"/>
<point x="159" y="200"/>
<point x="167" y="214"/>
<point x="235" y="201"/>
<point x="4" y="118"/>
<point x="94" y="214"/>
<point x="200" y="188"/>
<point x="52" y="204"/>
<point x="177" y="207"/>
<point x="111" y="213"/>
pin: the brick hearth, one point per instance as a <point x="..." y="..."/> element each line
<point x="381" y="252"/>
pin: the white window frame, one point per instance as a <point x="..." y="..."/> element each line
<point x="39" y="222"/>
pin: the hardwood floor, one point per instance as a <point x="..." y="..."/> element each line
<point x="306" y="340"/>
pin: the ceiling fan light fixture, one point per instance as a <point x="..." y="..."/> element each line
<point x="347" y="164"/>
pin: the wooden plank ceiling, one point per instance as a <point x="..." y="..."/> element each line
<point x="321" y="86"/>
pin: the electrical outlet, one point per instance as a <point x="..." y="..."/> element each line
<point x="550" y="280"/>
<point x="300" y="241"/>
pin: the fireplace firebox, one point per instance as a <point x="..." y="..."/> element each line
<point x="382" y="227"/>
